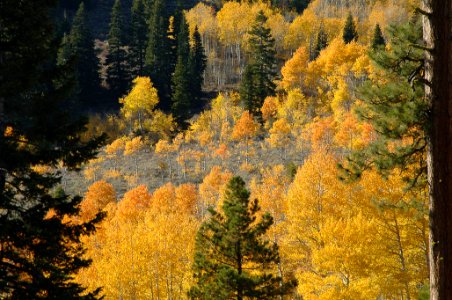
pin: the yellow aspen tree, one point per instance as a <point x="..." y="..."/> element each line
<point x="402" y="232"/>
<point x="132" y="147"/>
<point x="205" y="131"/>
<point x="222" y="152"/>
<point x="183" y="157"/>
<point x="244" y="130"/>
<point x="163" y="199"/>
<point x="115" y="150"/>
<point x="271" y="191"/>
<point x="342" y="268"/>
<point x="166" y="250"/>
<point x="186" y="198"/>
<point x="352" y="134"/>
<point x="279" y="137"/>
<point x="320" y="132"/>
<point x="308" y="201"/>
<point x="204" y="128"/>
<point x="307" y="208"/>
<point x="301" y="31"/>
<point x="202" y="16"/>
<point x="140" y="102"/>
<point x="269" y="109"/>
<point x="134" y="202"/>
<point x="323" y="219"/>
<point x="234" y="20"/>
<point x="165" y="148"/>
<point x="146" y="246"/>
<point x="294" y="70"/>
<point x="337" y="71"/>
<point x="98" y="195"/>
<point x="278" y="27"/>
<point x="211" y="188"/>
<point x="161" y="125"/>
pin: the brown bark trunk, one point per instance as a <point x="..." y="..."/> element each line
<point x="438" y="68"/>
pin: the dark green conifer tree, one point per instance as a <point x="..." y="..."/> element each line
<point x="65" y="51"/>
<point x="181" y="97"/>
<point x="64" y="25"/>
<point x="349" y="34"/>
<point x="183" y="39"/>
<point x="159" y="53"/>
<point x="260" y="71"/>
<point x="79" y="46"/>
<point x="139" y="37"/>
<point x="299" y="5"/>
<point x="247" y="92"/>
<point x="148" y="6"/>
<point x="39" y="252"/>
<point x="197" y="63"/>
<point x="321" y="42"/>
<point x="378" y="40"/>
<point x="233" y="259"/>
<point x="117" y="73"/>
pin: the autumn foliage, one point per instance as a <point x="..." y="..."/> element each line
<point x="361" y="240"/>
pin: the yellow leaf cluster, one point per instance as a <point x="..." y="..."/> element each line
<point x="245" y="127"/>
<point x="279" y="134"/>
<point x="134" y="145"/>
<point x="138" y="249"/>
<point x="116" y="147"/>
<point x="142" y="98"/>
<point x="98" y="196"/>
<point x="356" y="241"/>
<point x="294" y="70"/>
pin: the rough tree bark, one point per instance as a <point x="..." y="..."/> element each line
<point x="438" y="91"/>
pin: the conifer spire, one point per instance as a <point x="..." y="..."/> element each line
<point x="350" y="34"/>
<point x="231" y="243"/>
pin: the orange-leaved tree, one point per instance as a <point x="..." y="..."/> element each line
<point x="244" y="130"/>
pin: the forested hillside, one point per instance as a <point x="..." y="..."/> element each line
<point x="245" y="149"/>
<point x="161" y="172"/>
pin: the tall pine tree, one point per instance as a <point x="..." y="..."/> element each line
<point x="138" y="38"/>
<point x="197" y="63"/>
<point x="39" y="251"/>
<point x="378" y="40"/>
<point x="182" y="97"/>
<point x="260" y="71"/>
<point x="65" y="51"/>
<point x="158" y="59"/>
<point x="350" y="34"/>
<point x="233" y="259"/>
<point x="79" y="46"/>
<point x="117" y="73"/>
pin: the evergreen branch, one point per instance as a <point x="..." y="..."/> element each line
<point x="414" y="74"/>
<point x="423" y="12"/>
<point x="426" y="82"/>
<point x="420" y="47"/>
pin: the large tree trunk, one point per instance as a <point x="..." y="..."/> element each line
<point x="438" y="69"/>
